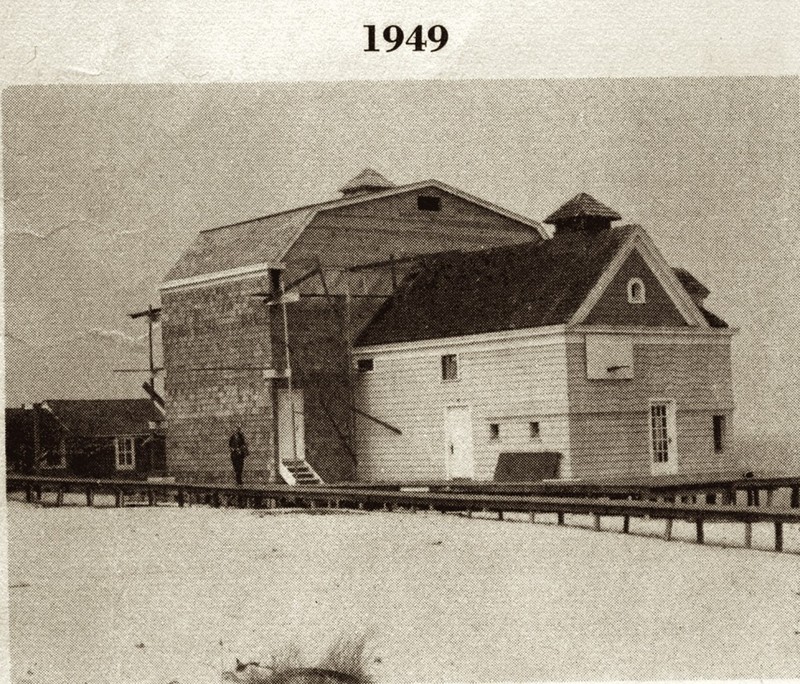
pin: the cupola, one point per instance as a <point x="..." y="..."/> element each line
<point x="366" y="181"/>
<point x="582" y="213"/>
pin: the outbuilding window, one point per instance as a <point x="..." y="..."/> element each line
<point x="636" y="293"/>
<point x="494" y="431"/>
<point x="429" y="203"/>
<point x="125" y="448"/>
<point x="719" y="433"/>
<point x="534" y="430"/>
<point x="449" y="367"/>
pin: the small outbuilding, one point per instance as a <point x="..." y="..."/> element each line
<point x="87" y="437"/>
<point x="585" y="355"/>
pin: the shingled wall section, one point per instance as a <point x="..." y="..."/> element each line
<point x="214" y="327"/>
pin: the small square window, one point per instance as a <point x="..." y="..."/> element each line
<point x="719" y="434"/>
<point x="429" y="203"/>
<point x="494" y="431"/>
<point x="449" y="367"/>
<point x="534" y="429"/>
<point x="365" y="365"/>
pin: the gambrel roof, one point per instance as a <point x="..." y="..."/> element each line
<point x="553" y="282"/>
<point x="265" y="241"/>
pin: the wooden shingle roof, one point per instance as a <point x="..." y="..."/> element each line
<point x="267" y="240"/>
<point x="105" y="417"/>
<point x="582" y="205"/>
<point x="504" y="288"/>
<point x="693" y="286"/>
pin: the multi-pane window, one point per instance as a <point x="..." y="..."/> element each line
<point x="719" y="433"/>
<point x="659" y="432"/>
<point x="125" y="448"/>
<point x="449" y="367"/>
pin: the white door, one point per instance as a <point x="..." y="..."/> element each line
<point x="458" y="442"/>
<point x="291" y="449"/>
<point x="663" y="437"/>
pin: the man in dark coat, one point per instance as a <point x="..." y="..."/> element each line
<point x="238" y="446"/>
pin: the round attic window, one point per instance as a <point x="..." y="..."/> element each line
<point x="636" y="293"/>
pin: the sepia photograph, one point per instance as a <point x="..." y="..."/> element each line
<point x="402" y="379"/>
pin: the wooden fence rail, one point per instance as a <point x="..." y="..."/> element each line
<point x="271" y="495"/>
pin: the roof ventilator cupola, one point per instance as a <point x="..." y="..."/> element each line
<point x="582" y="213"/>
<point x="366" y="181"/>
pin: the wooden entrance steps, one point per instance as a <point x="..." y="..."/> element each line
<point x="299" y="473"/>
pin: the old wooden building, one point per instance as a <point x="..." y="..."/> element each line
<point x="86" y="437"/>
<point x="258" y="319"/>
<point x="580" y="356"/>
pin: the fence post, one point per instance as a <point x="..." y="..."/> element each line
<point x="778" y="536"/>
<point x="560" y="518"/>
<point x="181" y="497"/>
<point x="533" y="517"/>
<point x="668" y="530"/>
<point x="59" y="496"/>
<point x="596" y="522"/>
<point x="151" y="497"/>
<point x="626" y="524"/>
<point x="118" y="498"/>
<point x="699" y="530"/>
<point x="89" y="496"/>
<point x="748" y="535"/>
<point x="769" y="498"/>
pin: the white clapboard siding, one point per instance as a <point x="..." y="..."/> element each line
<point x="609" y="429"/>
<point x="509" y="385"/>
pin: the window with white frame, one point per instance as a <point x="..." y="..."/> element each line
<point x="125" y="448"/>
<point x="449" y="367"/>
<point x="636" y="293"/>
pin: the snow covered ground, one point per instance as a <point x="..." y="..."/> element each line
<point x="174" y="595"/>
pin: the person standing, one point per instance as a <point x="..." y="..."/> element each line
<point x="238" y="445"/>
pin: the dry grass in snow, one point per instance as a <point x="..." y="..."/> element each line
<point x="177" y="595"/>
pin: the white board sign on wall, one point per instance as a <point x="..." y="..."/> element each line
<point x="609" y="357"/>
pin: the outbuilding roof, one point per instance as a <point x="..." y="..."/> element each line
<point x="503" y="288"/>
<point x="582" y="204"/>
<point x="693" y="286"/>
<point x="105" y="417"/>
